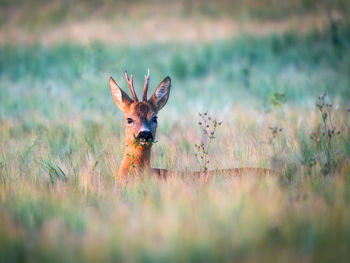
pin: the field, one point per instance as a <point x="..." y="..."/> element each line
<point x="282" y="95"/>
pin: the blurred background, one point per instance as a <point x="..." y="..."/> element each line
<point x="57" y="56"/>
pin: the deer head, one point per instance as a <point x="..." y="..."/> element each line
<point x="140" y="116"/>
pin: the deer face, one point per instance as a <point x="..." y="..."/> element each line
<point x="141" y="122"/>
<point x="140" y="117"/>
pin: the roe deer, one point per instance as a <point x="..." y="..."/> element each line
<point x="141" y="125"/>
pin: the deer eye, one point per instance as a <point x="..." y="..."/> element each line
<point x="155" y="119"/>
<point x="129" y="120"/>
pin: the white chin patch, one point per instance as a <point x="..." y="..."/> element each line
<point x="142" y="141"/>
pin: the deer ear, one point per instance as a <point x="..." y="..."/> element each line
<point x="161" y="95"/>
<point x="121" y="99"/>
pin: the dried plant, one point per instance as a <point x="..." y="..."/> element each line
<point x="275" y="132"/>
<point x="328" y="132"/>
<point x="208" y="126"/>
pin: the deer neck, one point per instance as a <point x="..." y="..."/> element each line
<point x="136" y="159"/>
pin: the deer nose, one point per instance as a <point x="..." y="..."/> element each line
<point x="145" y="136"/>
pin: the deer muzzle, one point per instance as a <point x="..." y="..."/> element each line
<point x="144" y="136"/>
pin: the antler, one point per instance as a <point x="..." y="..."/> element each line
<point x="131" y="85"/>
<point x="145" y="88"/>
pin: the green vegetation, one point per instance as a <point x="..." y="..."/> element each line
<point x="62" y="140"/>
<point x="262" y="71"/>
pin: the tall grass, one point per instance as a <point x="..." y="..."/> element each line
<point x="62" y="139"/>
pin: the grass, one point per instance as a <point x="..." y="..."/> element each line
<point x="42" y="14"/>
<point x="229" y="219"/>
<point x="61" y="142"/>
<point x="251" y="68"/>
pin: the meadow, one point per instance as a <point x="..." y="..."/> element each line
<point x="62" y="140"/>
